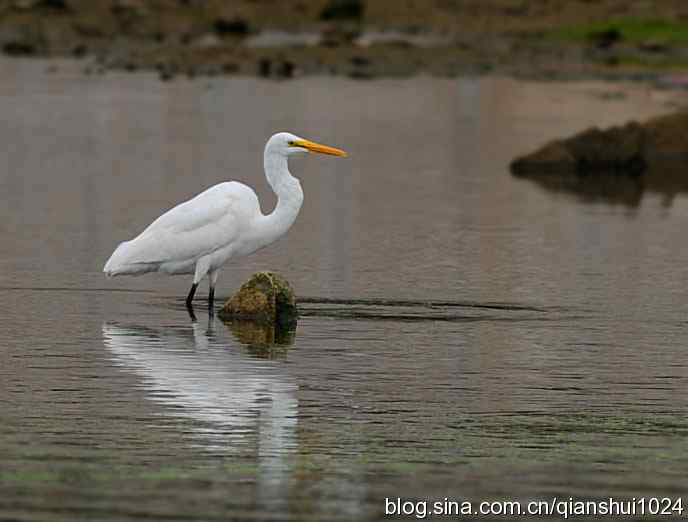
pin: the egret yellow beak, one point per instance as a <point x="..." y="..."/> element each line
<point x="317" y="147"/>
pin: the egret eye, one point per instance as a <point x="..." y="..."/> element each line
<point x="290" y="143"/>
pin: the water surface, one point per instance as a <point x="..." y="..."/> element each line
<point x="551" y="362"/>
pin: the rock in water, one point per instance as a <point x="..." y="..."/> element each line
<point x="629" y="149"/>
<point x="266" y="297"/>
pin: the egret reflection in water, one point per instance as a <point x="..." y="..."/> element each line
<point x="204" y="374"/>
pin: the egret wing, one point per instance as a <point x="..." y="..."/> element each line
<point x="204" y="224"/>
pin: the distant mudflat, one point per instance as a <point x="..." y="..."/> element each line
<point x="353" y="38"/>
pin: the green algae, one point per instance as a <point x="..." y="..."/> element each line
<point x="634" y="30"/>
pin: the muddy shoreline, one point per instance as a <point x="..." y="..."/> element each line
<point x="349" y="37"/>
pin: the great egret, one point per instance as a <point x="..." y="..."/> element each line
<point x="200" y="235"/>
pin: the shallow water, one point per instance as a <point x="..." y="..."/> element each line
<point x="550" y="361"/>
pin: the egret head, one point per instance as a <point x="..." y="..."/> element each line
<point x="287" y="144"/>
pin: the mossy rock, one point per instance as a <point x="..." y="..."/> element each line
<point x="265" y="298"/>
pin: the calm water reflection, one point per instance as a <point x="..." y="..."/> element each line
<point x="617" y="188"/>
<point x="555" y="365"/>
<point x="202" y="374"/>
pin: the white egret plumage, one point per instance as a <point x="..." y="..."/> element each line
<point x="225" y="221"/>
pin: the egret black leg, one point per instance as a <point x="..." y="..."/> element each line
<point x="192" y="292"/>
<point x="211" y="299"/>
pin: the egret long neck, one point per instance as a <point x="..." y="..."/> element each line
<point x="289" y="197"/>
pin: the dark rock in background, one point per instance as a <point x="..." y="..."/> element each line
<point x="343" y="9"/>
<point x="630" y="149"/>
<point x="235" y="27"/>
<point x="615" y="165"/>
<point x="606" y="39"/>
<point x="19" y="48"/>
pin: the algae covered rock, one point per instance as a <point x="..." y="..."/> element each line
<point x="265" y="298"/>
